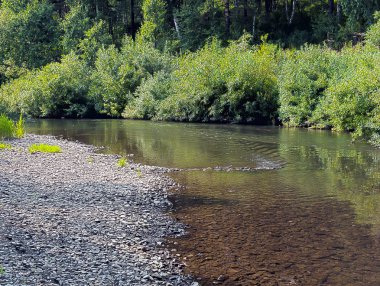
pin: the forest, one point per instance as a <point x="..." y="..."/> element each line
<point x="291" y="62"/>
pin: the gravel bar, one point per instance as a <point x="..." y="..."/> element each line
<point x="76" y="218"/>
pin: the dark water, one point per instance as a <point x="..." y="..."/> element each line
<point x="313" y="221"/>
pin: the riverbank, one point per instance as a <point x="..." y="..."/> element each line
<point x="77" y="218"/>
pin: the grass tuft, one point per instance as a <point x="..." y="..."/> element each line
<point x="9" y="129"/>
<point x="122" y="162"/>
<point x="5" y="146"/>
<point x="19" y="130"/>
<point x="43" y="148"/>
<point x="6" y="127"/>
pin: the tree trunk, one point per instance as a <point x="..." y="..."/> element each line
<point x="254" y="23"/>
<point x="176" y="26"/>
<point x="97" y="9"/>
<point x="133" y="25"/>
<point x="331" y="7"/>
<point x="338" y="12"/>
<point x="245" y="13"/>
<point x="291" y="17"/>
<point x="268" y="7"/>
<point x="227" y="16"/>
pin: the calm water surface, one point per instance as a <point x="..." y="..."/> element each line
<point x="313" y="221"/>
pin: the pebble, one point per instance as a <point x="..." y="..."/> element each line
<point x="68" y="220"/>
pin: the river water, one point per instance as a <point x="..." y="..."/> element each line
<point x="264" y="205"/>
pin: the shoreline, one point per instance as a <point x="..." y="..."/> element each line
<point x="76" y="218"/>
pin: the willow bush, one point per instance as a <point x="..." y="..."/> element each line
<point x="118" y="74"/>
<point x="233" y="84"/>
<point x="56" y="90"/>
<point x="323" y="88"/>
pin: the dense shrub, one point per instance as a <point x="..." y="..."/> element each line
<point x="118" y="73"/>
<point x="58" y="89"/>
<point x="324" y="88"/>
<point x="352" y="101"/>
<point x="148" y="97"/>
<point x="237" y="84"/>
<point x="303" y="79"/>
<point x="373" y="32"/>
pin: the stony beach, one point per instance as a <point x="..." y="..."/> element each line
<point x="77" y="218"/>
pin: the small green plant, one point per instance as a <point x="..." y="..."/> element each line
<point x="5" y="146"/>
<point x="122" y="162"/>
<point x="139" y="173"/>
<point x="19" y="130"/>
<point x="6" y="127"/>
<point x="9" y="129"/>
<point x="90" y="160"/>
<point x="2" y="270"/>
<point x="43" y="148"/>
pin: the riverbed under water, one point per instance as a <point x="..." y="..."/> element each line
<point x="264" y="205"/>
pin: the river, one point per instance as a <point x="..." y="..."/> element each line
<point x="264" y="205"/>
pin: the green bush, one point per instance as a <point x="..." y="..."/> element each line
<point x="373" y="33"/>
<point x="118" y="73"/>
<point x="19" y="130"/>
<point x="237" y="83"/>
<point x="122" y="162"/>
<point x="74" y="26"/>
<point x="352" y="101"/>
<point x="324" y="88"/>
<point x="303" y="78"/>
<point x="57" y="90"/>
<point x="148" y="97"/>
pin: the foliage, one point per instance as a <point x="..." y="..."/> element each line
<point x="74" y="26"/>
<point x="302" y="80"/>
<point x="352" y="101"/>
<point x="153" y="29"/>
<point x="29" y="34"/>
<point x="44" y="148"/>
<point x="197" y="22"/>
<point x="194" y="61"/>
<point x="94" y="39"/>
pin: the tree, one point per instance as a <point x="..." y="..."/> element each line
<point x="154" y="28"/>
<point x="74" y="25"/>
<point x="29" y="33"/>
